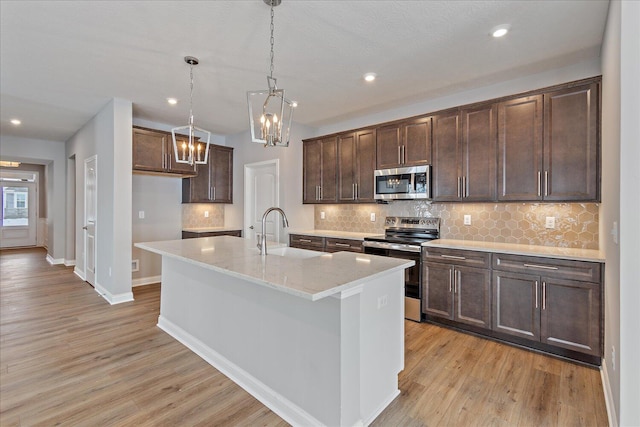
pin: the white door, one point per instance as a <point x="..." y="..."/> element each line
<point x="90" y="210"/>
<point x="19" y="209"/>
<point x="261" y="191"/>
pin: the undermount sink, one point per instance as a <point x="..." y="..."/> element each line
<point x="290" y="252"/>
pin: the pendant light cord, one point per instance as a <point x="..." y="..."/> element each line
<point x="272" y="41"/>
<point x="191" y="97"/>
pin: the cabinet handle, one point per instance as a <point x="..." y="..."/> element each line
<point x="357" y="192"/>
<point x="317" y="192"/>
<point x="539" y="183"/>
<point x="536" y="294"/>
<point x="404" y="157"/>
<point x="465" y="187"/>
<point x="353" y="189"/>
<point x="210" y="196"/>
<point x="452" y="257"/>
<point x="544" y="267"/>
<point x="546" y="183"/>
<point x="214" y="193"/>
<point x="399" y="154"/>
<point x="305" y="240"/>
<point x="459" y="181"/>
<point x="456" y="280"/>
<point x="544" y="295"/>
<point x="450" y="278"/>
<point x="342" y="245"/>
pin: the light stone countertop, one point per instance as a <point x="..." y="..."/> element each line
<point x="334" y="234"/>
<point x="211" y="229"/>
<point x="593" y="255"/>
<point x="310" y="278"/>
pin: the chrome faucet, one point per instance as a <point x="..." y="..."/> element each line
<point x="262" y="244"/>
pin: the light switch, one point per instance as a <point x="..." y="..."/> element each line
<point x="322" y="216"/>
<point x="373" y="217"/>
<point x="467" y="220"/>
<point x="140" y="214"/>
<point x="206" y="214"/>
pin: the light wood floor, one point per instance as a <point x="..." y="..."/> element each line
<point x="69" y="358"/>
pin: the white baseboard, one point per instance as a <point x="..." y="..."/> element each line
<point x="145" y="280"/>
<point x="54" y="261"/>
<point x="70" y="262"/>
<point x="113" y="299"/>
<point x="279" y="404"/>
<point x="79" y="273"/>
<point x="608" y="395"/>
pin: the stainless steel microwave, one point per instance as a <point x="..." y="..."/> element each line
<point x="403" y="183"/>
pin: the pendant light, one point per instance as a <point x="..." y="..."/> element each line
<point x="270" y="117"/>
<point x="190" y="150"/>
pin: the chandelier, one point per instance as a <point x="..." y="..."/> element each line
<point x="190" y="151"/>
<point x="270" y="118"/>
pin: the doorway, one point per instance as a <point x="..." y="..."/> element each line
<point x="261" y="191"/>
<point x="90" y="223"/>
<point x="19" y="209"/>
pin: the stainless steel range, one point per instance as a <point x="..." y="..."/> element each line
<point x="402" y="238"/>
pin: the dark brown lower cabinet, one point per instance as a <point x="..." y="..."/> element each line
<point x="195" y="234"/>
<point x="458" y="293"/>
<point x="558" y="312"/>
<point x="324" y="244"/>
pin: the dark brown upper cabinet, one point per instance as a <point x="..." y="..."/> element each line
<point x="153" y="153"/>
<point x="572" y="144"/>
<point x="520" y="149"/>
<point x="214" y="182"/>
<point x="356" y="165"/>
<point x="319" y="171"/>
<point x="404" y="144"/>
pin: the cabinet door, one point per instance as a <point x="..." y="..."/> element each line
<point x="437" y="290"/>
<point x="446" y="155"/>
<point x="516" y="303"/>
<point x="571" y="315"/>
<point x="388" y="146"/>
<point x="198" y="188"/>
<point x="479" y="153"/>
<point x="365" y="165"/>
<point x="149" y="150"/>
<point x="221" y="170"/>
<point x="311" y="172"/>
<point x="417" y="142"/>
<point x="346" y="167"/>
<point x="520" y="149"/>
<point x="472" y="296"/>
<point x="181" y="168"/>
<point x="572" y="144"/>
<point x="329" y="171"/>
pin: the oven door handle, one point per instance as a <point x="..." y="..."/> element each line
<point x="392" y="246"/>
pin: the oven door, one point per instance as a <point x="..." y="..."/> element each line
<point x="412" y="275"/>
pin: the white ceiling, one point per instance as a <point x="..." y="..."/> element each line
<point x="62" y="61"/>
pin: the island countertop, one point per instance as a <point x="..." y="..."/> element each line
<point x="311" y="278"/>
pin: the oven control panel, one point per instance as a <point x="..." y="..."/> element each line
<point x="412" y="222"/>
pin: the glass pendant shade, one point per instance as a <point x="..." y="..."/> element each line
<point x="187" y="148"/>
<point x="270" y="115"/>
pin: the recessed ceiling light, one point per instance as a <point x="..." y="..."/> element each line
<point x="15" y="122"/>
<point x="500" y="30"/>
<point x="369" y="77"/>
<point x="172" y="101"/>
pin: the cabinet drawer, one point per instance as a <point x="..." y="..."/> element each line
<point x="558" y="268"/>
<point x="337" y="245"/>
<point x="457" y="257"/>
<point x="306" y="242"/>
<point x="193" y="235"/>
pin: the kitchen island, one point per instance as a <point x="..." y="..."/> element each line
<point x="318" y="338"/>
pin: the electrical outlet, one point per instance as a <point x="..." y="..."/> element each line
<point x="550" y="222"/>
<point x="206" y="214"/>
<point x="322" y="215"/>
<point x="373" y="217"/>
<point x="613" y="357"/>
<point x="467" y="220"/>
<point x="141" y="214"/>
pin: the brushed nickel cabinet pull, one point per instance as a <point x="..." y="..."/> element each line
<point x="305" y="240"/>
<point x="459" y="181"/>
<point x="544" y="295"/>
<point x="399" y="155"/>
<point x="546" y="183"/>
<point x="214" y="193"/>
<point x="539" y="183"/>
<point x="357" y="192"/>
<point x="342" y="245"/>
<point x="465" y="187"/>
<point x="544" y="267"/>
<point x="452" y="257"/>
<point x="450" y="278"/>
<point x="404" y="157"/>
<point x="536" y="294"/>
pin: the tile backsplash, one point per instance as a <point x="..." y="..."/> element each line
<point x="576" y="224"/>
<point x="193" y="215"/>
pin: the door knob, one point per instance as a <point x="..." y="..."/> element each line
<point x="84" y="228"/>
<point x="251" y="227"/>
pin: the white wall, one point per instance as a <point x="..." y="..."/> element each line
<point x="244" y="151"/>
<point x="107" y="135"/>
<point x="160" y="198"/>
<point x="629" y="208"/>
<point x="51" y="154"/>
